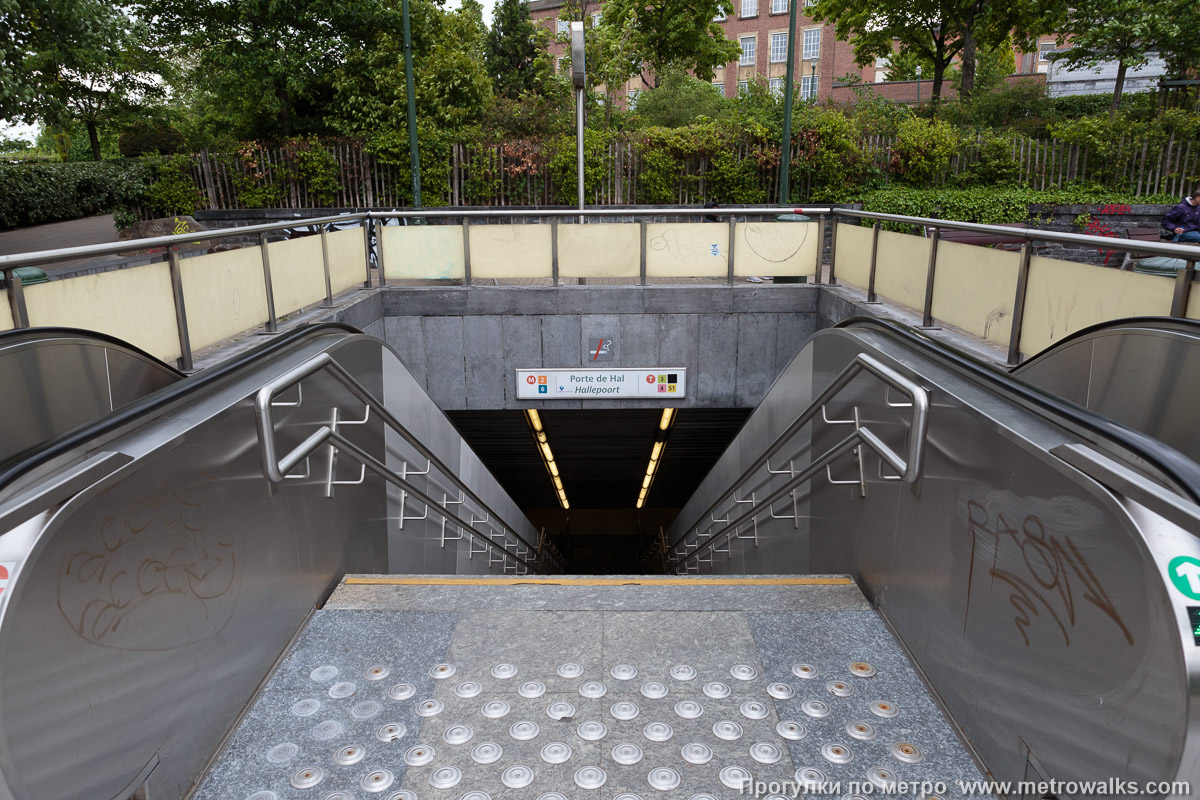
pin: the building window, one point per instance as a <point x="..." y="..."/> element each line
<point x="743" y="86"/>
<point x="812" y="44"/>
<point x="779" y="6"/>
<point x="808" y="87"/>
<point x="633" y="96"/>
<point x="881" y="69"/>
<point x="776" y="86"/>
<point x="748" y="51"/>
<point x="749" y="8"/>
<point x="596" y="20"/>
<point x="809" y="3"/>
<point x="559" y="63"/>
<point x="564" y="26"/>
<point x="720" y="17"/>
<point x="1044" y="51"/>
<point x="778" y="48"/>
<point x="720" y="87"/>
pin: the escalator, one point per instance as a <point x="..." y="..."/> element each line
<point x="289" y="577"/>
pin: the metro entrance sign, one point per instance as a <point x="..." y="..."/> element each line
<point x="662" y="383"/>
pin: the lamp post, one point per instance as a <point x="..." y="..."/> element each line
<point x="812" y="81"/>
<point x="785" y="160"/>
<point x="918" y="85"/>
<point x="579" y="80"/>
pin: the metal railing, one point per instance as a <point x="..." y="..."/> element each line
<point x="278" y="469"/>
<point x="907" y="469"/>
<point x="16" y="293"/>
<point x="827" y="218"/>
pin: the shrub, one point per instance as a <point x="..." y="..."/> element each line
<point x="173" y="190"/>
<point x="150" y="138"/>
<point x="31" y="194"/>
<point x="923" y="151"/>
<point x="678" y="100"/>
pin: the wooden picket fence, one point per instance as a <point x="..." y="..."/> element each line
<point x="519" y="174"/>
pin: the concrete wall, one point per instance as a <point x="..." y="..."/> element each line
<point x="463" y="345"/>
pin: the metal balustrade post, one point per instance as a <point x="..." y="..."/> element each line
<point x="366" y="229"/>
<point x="554" y="252"/>
<point x="821" y="225"/>
<point x="930" y="272"/>
<point x="466" y="226"/>
<point x="642" y="253"/>
<point x="325" y="264"/>
<point x="181" y="324"/>
<point x="871" y="298"/>
<point x="729" y="252"/>
<point x="380" y="265"/>
<point x="16" y="299"/>
<point x="1018" y="316"/>
<point x="833" y="250"/>
<point x="265" y="254"/>
<point x="1183" y="289"/>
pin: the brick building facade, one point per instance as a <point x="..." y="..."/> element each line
<point x="761" y="27"/>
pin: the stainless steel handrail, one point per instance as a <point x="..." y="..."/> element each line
<point x="473" y="213"/>
<point x="908" y="468"/>
<point x="275" y="468"/>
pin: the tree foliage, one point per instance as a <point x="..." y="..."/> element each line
<point x="516" y="51"/>
<point x="673" y="34"/>
<point x="1124" y="31"/>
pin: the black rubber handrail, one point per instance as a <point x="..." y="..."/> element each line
<point x="50" y="332"/>
<point x="30" y="459"/>
<point x="1172" y="464"/>
<point x="1177" y="324"/>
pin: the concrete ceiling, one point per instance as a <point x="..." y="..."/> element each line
<point x="601" y="455"/>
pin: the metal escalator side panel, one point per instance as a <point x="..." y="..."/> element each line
<point x="1143" y="374"/>
<point x="52" y="381"/>
<point x="151" y="605"/>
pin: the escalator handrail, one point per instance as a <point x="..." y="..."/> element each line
<point x="27" y="460"/>
<point x="53" y="332"/>
<point x="276" y="467"/>
<point x="1179" y="324"/>
<point x="1181" y="471"/>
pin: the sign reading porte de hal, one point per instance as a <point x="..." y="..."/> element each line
<point x="663" y="383"/>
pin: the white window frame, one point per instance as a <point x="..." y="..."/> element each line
<point x="809" y="3"/>
<point x="564" y="26"/>
<point x="749" y="8"/>
<point x="778" y="55"/>
<point x="779" y="6"/>
<point x="743" y="86"/>
<point x="808" y="86"/>
<point x="776" y="85"/>
<point x="720" y="87"/>
<point x="812" y="44"/>
<point x="748" y="58"/>
<point x="596" y="20"/>
<point x="1045" y="49"/>
<point x="720" y="17"/>
<point x="631" y="102"/>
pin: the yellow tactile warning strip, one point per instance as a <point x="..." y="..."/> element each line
<point x="385" y="580"/>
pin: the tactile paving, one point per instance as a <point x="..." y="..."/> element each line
<point x="609" y="704"/>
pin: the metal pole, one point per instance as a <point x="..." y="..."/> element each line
<point x="414" y="157"/>
<point x="833" y="250"/>
<point x="366" y="228"/>
<point x="871" y="298"/>
<point x="272" y="323"/>
<point x="325" y="263"/>
<point x="821" y="226"/>
<point x="785" y="161"/>
<point x="554" y="252"/>
<point x="1183" y="289"/>
<point x="927" y="314"/>
<point x="642" y="254"/>
<point x="1014" y="336"/>
<point x="16" y="299"/>
<point x="466" y="226"/>
<point x="579" y="147"/>
<point x="729" y="254"/>
<point x="181" y="326"/>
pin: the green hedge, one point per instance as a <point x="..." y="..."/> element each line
<point x="31" y="194"/>
<point x="991" y="206"/>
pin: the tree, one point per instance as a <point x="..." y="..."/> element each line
<point x="269" y="66"/>
<point x="512" y="49"/>
<point x="989" y="23"/>
<point x="673" y="34"/>
<point x="38" y="27"/>
<point x="679" y="99"/>
<point x="1124" y="31"/>
<point x="912" y="29"/>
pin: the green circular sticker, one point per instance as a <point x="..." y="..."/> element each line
<point x="1184" y="572"/>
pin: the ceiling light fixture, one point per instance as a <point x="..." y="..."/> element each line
<point x="539" y="435"/>
<point x="660" y="442"/>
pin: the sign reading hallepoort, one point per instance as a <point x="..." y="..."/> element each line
<point x="664" y="383"/>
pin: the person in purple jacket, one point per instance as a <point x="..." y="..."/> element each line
<point x="1183" y="221"/>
